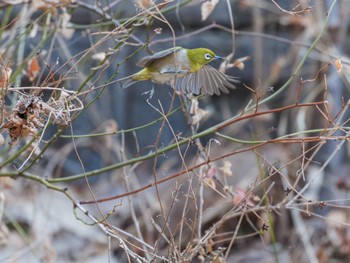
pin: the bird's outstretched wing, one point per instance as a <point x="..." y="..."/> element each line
<point x="146" y="61"/>
<point x="207" y="80"/>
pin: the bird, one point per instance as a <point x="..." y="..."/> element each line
<point x="185" y="70"/>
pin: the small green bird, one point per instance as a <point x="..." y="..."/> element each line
<point x="185" y="70"/>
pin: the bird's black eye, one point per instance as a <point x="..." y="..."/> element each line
<point x="207" y="56"/>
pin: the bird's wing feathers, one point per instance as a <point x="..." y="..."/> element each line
<point x="146" y="61"/>
<point x="207" y="80"/>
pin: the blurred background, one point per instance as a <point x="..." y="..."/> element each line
<point x="90" y="172"/>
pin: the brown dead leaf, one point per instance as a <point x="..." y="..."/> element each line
<point x="43" y="5"/>
<point x="338" y="65"/>
<point x="51" y="6"/>
<point x="144" y="4"/>
<point x="296" y="21"/>
<point x="209" y="177"/>
<point x="5" y="74"/>
<point x="33" y="69"/>
<point x="238" y="63"/>
<point x="207" y="8"/>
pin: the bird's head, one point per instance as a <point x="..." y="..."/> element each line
<point x="199" y="57"/>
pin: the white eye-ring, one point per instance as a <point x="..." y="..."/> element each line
<point x="207" y="56"/>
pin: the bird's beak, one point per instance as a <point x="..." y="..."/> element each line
<point x="218" y="57"/>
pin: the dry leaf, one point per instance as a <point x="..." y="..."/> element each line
<point x="238" y="63"/>
<point x="2" y="140"/>
<point x="338" y="65"/>
<point x="209" y="177"/>
<point x="50" y="5"/>
<point x="211" y="172"/>
<point x="158" y="30"/>
<point x="5" y="74"/>
<point x="31" y="114"/>
<point x="33" y="33"/>
<point x="300" y="21"/>
<point x="144" y="4"/>
<point x="195" y="119"/>
<point x="100" y="56"/>
<point x="207" y="8"/>
<point x="41" y="4"/>
<point x="197" y="114"/>
<point x="210" y="182"/>
<point x="66" y="32"/>
<point x="33" y="69"/>
<point x="226" y="169"/>
<point x="110" y="126"/>
<point x="241" y="195"/>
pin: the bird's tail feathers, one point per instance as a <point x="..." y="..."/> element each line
<point x="127" y="82"/>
